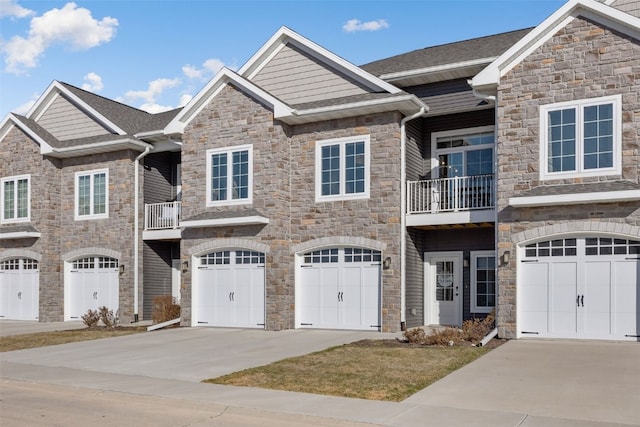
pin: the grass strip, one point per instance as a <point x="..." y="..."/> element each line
<point x="42" y="339"/>
<point x="373" y="371"/>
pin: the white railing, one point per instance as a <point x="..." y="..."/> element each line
<point x="162" y="216"/>
<point x="462" y="193"/>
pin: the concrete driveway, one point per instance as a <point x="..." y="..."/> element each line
<point x="521" y="383"/>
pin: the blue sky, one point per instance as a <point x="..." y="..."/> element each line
<point x="157" y="54"/>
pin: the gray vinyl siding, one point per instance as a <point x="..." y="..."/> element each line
<point x="159" y="177"/>
<point x="443" y="240"/>
<point x="295" y="78"/>
<point x="413" y="259"/>
<point x="414" y="276"/>
<point x="157" y="272"/>
<point x="65" y="121"/>
<point x="631" y="7"/>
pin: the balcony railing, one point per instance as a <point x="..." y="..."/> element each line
<point x="454" y="194"/>
<point x="162" y="216"/>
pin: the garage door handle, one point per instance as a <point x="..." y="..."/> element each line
<point x="582" y="300"/>
<point x="578" y="300"/>
<point x="19" y="295"/>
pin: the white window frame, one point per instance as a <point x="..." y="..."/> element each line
<point x="435" y="162"/>
<point x="474" y="285"/>
<point x="579" y="105"/>
<point x="92" y="174"/>
<point x="367" y="165"/>
<point x="229" y="152"/>
<point x="15" y="179"/>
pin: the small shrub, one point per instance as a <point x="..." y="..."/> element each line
<point x="107" y="317"/>
<point x="446" y="336"/>
<point x="475" y="330"/>
<point x="164" y="309"/>
<point x="91" y="318"/>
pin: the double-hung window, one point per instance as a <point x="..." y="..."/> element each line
<point x="230" y="175"/>
<point x="581" y="138"/>
<point x="16" y="199"/>
<point x="483" y="281"/>
<point x="92" y="194"/>
<point x="342" y="168"/>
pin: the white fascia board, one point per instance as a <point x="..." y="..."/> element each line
<point x="285" y="35"/>
<point x="204" y="97"/>
<point x="20" y="235"/>
<point x="222" y="222"/>
<point x="6" y="127"/>
<point x="575" y="199"/>
<point x="591" y="9"/>
<point x="79" y="150"/>
<point x="437" y="69"/>
<point x="55" y="87"/>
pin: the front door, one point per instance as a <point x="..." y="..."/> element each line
<point x="443" y="288"/>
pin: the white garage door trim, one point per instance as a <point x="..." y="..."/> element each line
<point x="90" y="282"/>
<point x="339" y="288"/>
<point x="579" y="287"/>
<point x="229" y="289"/>
<point x="19" y="289"/>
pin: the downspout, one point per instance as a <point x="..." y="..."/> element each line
<point x="403" y="208"/>
<point x="136" y="231"/>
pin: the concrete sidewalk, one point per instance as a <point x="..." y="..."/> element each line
<point x="522" y="383"/>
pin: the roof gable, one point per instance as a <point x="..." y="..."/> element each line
<point x="294" y="76"/>
<point x="286" y="37"/>
<point x="486" y="81"/>
<point x="213" y="88"/>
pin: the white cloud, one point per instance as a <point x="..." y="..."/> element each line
<point x="354" y="25"/>
<point x="71" y="26"/>
<point x="11" y="8"/>
<point x="24" y="108"/>
<point x="154" y="90"/>
<point x="209" y="68"/>
<point x="185" y="99"/>
<point x="93" y="83"/>
<point x="154" y="108"/>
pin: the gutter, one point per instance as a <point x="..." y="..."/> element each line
<point x="136" y="231"/>
<point x="403" y="195"/>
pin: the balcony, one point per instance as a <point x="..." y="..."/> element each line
<point x="162" y="221"/>
<point x="456" y="200"/>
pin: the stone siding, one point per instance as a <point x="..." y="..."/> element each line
<point x="52" y="214"/>
<point x="581" y="61"/>
<point x="284" y="191"/>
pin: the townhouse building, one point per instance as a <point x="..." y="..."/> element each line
<point x="303" y="191"/>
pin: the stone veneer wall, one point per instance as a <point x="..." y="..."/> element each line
<point x="114" y="233"/>
<point x="52" y="214"/>
<point x="583" y="60"/>
<point x="284" y="191"/>
<point x="21" y="155"/>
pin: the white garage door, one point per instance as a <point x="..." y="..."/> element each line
<point x="340" y="289"/>
<point x="229" y="289"/>
<point x="580" y="288"/>
<point x="19" y="284"/>
<point x="92" y="282"/>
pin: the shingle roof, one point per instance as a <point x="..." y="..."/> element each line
<point x="448" y="97"/>
<point x="38" y="130"/>
<point x="450" y="53"/>
<point x="347" y="100"/>
<point x="129" y="119"/>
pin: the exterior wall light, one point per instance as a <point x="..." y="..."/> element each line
<point x="506" y="257"/>
<point x="386" y="264"/>
<point x="185" y="266"/>
<point x="121" y="269"/>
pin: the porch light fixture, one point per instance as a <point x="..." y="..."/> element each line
<point x="506" y="256"/>
<point x="121" y="269"/>
<point x="465" y="262"/>
<point x="185" y="266"/>
<point x="386" y="264"/>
